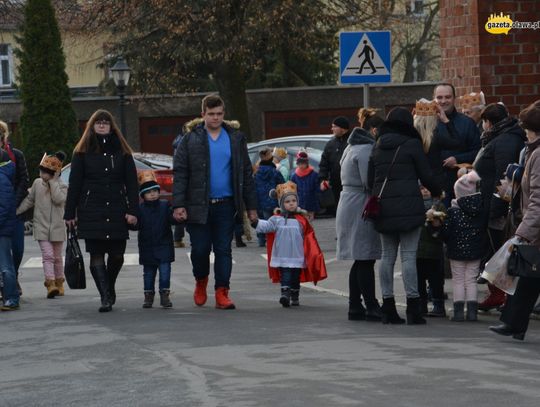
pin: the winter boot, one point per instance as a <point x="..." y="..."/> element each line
<point x="494" y="300"/>
<point x="200" y="296"/>
<point x="59" y="282"/>
<point x="240" y="242"/>
<point x="357" y="312"/>
<point x="373" y="311"/>
<point x="414" y="312"/>
<point x="424" y="306"/>
<point x="472" y="311"/>
<point x="222" y="299"/>
<point x="164" y="299"/>
<point x="285" y="299"/>
<point x="102" y="283"/>
<point x="459" y="311"/>
<point x="148" y="299"/>
<point x="295" y="297"/>
<point x="438" y="309"/>
<point x="52" y="290"/>
<point x="389" y="312"/>
<point x="114" y="265"/>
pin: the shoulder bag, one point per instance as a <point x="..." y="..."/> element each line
<point x="524" y="261"/>
<point x="372" y="208"/>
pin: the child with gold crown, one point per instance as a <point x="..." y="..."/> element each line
<point x="294" y="256"/>
<point x="48" y="197"/>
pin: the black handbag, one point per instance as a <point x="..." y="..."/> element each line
<point x="372" y="207"/>
<point x="524" y="261"/>
<point x="74" y="264"/>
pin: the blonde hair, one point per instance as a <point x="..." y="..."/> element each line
<point x="365" y="113"/>
<point x="88" y="140"/>
<point x="425" y="125"/>
<point x="4" y="131"/>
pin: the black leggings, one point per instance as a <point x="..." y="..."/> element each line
<point x="362" y="283"/>
<point x="114" y="261"/>
<point x="431" y="270"/>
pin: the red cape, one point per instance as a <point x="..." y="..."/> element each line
<point x="315" y="269"/>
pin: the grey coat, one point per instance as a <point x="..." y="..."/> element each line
<point x="357" y="238"/>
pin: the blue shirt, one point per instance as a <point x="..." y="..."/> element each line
<point x="220" y="165"/>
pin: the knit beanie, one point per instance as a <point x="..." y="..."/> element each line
<point x="400" y="114"/>
<point x="147" y="182"/>
<point x="342" y="122"/>
<point x="467" y="185"/>
<point x="302" y="158"/>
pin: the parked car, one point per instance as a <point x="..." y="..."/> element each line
<point x="317" y="142"/>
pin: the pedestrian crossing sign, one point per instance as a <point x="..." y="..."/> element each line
<point x="365" y="57"/>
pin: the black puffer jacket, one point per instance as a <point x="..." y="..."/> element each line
<point x="463" y="230"/>
<point x="329" y="167"/>
<point x="402" y="206"/>
<point x="501" y="146"/>
<point x="103" y="188"/>
<point x="191" y="188"/>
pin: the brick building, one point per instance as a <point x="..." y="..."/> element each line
<point x="505" y="67"/>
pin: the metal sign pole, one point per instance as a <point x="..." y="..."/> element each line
<point x="366" y="95"/>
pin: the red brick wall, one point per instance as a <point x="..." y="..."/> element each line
<point x="505" y="67"/>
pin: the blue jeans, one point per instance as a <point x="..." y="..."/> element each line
<point x="289" y="277"/>
<point x="17" y="244"/>
<point x="408" y="241"/>
<point x="9" y="277"/>
<point x="150" y="271"/>
<point x="263" y="214"/>
<point x="215" y="235"/>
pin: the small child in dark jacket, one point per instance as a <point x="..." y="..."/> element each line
<point x="156" y="249"/>
<point x="307" y="180"/>
<point x="429" y="262"/>
<point x="463" y="231"/>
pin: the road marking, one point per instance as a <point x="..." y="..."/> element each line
<point x="212" y="258"/>
<point x="130" y="259"/>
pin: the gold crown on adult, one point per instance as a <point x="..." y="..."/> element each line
<point x="51" y="162"/>
<point x="146" y="176"/>
<point x="288" y="187"/>
<point x="472" y="99"/>
<point x="426" y="107"/>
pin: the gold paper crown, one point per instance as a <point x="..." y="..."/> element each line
<point x="426" y="108"/>
<point x="51" y="162"/>
<point x="287" y="188"/>
<point x="280" y="153"/>
<point x="146" y="176"/>
<point x="472" y="99"/>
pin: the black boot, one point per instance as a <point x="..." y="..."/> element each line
<point x="357" y="312"/>
<point x="285" y="299"/>
<point x="148" y="299"/>
<point x="459" y="311"/>
<point x="373" y="311"/>
<point x="414" y="312"/>
<point x="102" y="283"/>
<point x="114" y="264"/>
<point x="389" y="312"/>
<point x="472" y="311"/>
<point x="424" y="306"/>
<point x="240" y="242"/>
<point x="165" y="298"/>
<point x="507" y="330"/>
<point x="295" y="297"/>
<point x="438" y="309"/>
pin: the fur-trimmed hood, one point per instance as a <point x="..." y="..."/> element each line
<point x="189" y="126"/>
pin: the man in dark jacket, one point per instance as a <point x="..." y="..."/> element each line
<point x="329" y="167"/>
<point x="467" y="132"/>
<point x="21" y="190"/>
<point x="213" y="183"/>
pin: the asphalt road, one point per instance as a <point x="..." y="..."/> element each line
<point x="62" y="352"/>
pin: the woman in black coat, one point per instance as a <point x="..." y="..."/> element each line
<point x="402" y="207"/>
<point x="502" y="141"/>
<point x="103" y="199"/>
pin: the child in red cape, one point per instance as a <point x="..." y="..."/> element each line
<point x="294" y="256"/>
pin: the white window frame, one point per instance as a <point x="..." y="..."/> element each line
<point x="9" y="58"/>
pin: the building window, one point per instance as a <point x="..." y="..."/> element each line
<point x="6" y="63"/>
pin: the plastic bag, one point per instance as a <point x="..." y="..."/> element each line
<point x="496" y="270"/>
<point x="74" y="264"/>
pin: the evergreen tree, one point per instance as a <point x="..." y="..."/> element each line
<point x="48" y="122"/>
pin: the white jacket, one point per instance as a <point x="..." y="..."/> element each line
<point x="48" y="200"/>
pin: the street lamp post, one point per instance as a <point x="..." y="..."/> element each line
<point x="121" y="73"/>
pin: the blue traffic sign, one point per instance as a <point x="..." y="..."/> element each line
<point x="365" y="57"/>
